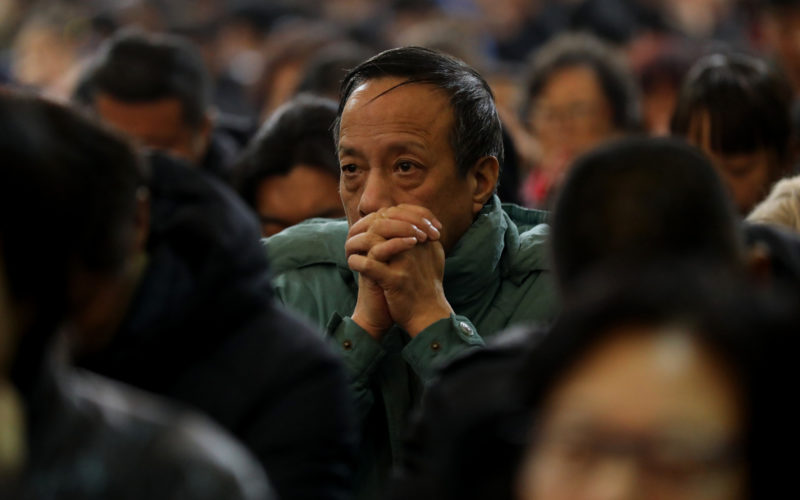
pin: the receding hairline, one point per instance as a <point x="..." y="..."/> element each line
<point x="403" y="83"/>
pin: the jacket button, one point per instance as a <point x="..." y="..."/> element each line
<point x="347" y="345"/>
<point x="435" y="346"/>
<point x="465" y="328"/>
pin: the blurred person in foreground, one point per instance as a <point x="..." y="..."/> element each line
<point x="428" y="262"/>
<point x="290" y="170"/>
<point x="578" y="94"/>
<point x="196" y="320"/>
<point x="658" y="384"/>
<point x="70" y="219"/>
<point x="736" y="108"/>
<point x="633" y="204"/>
<point x="155" y="89"/>
<point x="662" y="388"/>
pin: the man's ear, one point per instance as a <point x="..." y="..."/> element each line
<point x="483" y="181"/>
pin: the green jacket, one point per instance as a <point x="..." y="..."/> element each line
<point x="496" y="275"/>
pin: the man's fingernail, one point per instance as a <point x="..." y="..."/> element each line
<point x="431" y="224"/>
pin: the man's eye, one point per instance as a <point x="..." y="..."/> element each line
<point x="405" y="166"/>
<point x="349" y="168"/>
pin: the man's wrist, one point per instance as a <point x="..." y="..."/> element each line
<point x="420" y="322"/>
<point x="374" y="331"/>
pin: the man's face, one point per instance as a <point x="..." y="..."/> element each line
<point x="156" y="125"/>
<point x="394" y="148"/>
<point x="305" y="192"/>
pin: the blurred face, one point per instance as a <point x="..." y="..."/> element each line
<point x="782" y="33"/>
<point x="571" y="115"/>
<point x="648" y="413"/>
<point x="155" y="125"/>
<point x="43" y="58"/>
<point x="395" y="148"/>
<point x="305" y="192"/>
<point x="748" y="176"/>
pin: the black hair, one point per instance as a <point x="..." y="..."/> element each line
<point x="298" y="132"/>
<point x="641" y="200"/>
<point x="67" y="203"/>
<point x="582" y="50"/>
<point x="136" y="67"/>
<point x="747" y="102"/>
<point x="476" y="126"/>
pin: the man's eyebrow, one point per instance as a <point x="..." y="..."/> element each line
<point x="347" y="151"/>
<point x="400" y="147"/>
<point x="397" y="147"/>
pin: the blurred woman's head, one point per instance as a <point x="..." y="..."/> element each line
<point x="647" y="390"/>
<point x="579" y="93"/>
<point x="736" y="108"/>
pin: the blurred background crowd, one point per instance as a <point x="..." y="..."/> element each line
<point x="260" y="54"/>
<point x="160" y="271"/>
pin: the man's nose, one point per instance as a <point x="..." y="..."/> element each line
<point x="377" y="193"/>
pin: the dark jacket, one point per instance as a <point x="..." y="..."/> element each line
<point x="228" y="138"/>
<point x="94" y="439"/>
<point x="467" y="438"/>
<point x="204" y="329"/>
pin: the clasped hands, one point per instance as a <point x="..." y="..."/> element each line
<point x="400" y="260"/>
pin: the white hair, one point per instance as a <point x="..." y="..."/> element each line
<point x="781" y="207"/>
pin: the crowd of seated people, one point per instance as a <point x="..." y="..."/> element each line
<point x="398" y="249"/>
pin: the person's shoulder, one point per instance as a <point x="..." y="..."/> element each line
<point x="294" y="345"/>
<point x="502" y="352"/>
<point x="173" y="449"/>
<point x="529" y="251"/>
<point x="315" y="241"/>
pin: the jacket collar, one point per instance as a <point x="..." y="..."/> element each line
<point x="473" y="268"/>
